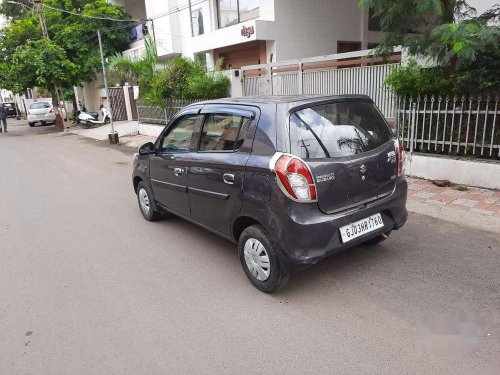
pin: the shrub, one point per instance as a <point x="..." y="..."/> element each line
<point x="208" y="85"/>
<point x="185" y="79"/>
<point x="412" y="81"/>
<point x="479" y="78"/>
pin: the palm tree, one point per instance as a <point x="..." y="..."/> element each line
<point x="127" y="68"/>
<point x="142" y="71"/>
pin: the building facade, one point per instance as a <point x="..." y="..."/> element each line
<point x="246" y="32"/>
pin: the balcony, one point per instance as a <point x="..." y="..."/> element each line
<point x="240" y="33"/>
<point x="136" y="50"/>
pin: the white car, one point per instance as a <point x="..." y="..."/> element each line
<point x="41" y="112"/>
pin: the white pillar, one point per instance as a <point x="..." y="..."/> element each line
<point x="210" y="60"/>
<point x="236" y="82"/>
<point x="128" y="107"/>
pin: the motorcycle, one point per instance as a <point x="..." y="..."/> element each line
<point x="91" y="119"/>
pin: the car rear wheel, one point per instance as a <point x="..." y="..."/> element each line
<point x="380" y="238"/>
<point x="31" y="124"/>
<point x="260" y="261"/>
<point x="146" y="203"/>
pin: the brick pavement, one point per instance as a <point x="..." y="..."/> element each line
<point x="481" y="201"/>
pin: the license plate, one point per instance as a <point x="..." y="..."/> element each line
<point x="360" y="227"/>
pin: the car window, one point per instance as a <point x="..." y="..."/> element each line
<point x="39" y="105"/>
<point x="8" y="105"/>
<point x="178" y="138"/>
<point x="337" y="130"/>
<point x="223" y="132"/>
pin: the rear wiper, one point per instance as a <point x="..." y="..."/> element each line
<point x="327" y="154"/>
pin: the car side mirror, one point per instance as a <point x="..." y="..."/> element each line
<point x="147" y="149"/>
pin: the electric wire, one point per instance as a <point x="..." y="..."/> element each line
<point x="89" y="16"/>
<point x="176" y="10"/>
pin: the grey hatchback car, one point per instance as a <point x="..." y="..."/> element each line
<point x="290" y="180"/>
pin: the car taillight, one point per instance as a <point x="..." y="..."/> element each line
<point x="400" y="152"/>
<point x="295" y="178"/>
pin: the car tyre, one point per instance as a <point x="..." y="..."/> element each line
<point x="31" y="124"/>
<point x="146" y="202"/>
<point x="380" y="238"/>
<point x="260" y="260"/>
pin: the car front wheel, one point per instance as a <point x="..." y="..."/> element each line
<point x="31" y="124"/>
<point x="145" y="200"/>
<point x="260" y="261"/>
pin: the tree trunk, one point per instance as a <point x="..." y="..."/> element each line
<point x="448" y="11"/>
<point x="55" y="103"/>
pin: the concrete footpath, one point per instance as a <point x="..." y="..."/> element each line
<point x="473" y="208"/>
<point x="100" y="133"/>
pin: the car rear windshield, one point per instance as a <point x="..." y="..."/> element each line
<point x="8" y="105"/>
<point x="40" y="105"/>
<point x="337" y="129"/>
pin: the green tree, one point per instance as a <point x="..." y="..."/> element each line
<point x="72" y="49"/>
<point x="10" y="10"/>
<point x="449" y="31"/>
<point x="40" y="63"/>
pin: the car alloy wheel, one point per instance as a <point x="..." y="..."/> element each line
<point x="257" y="259"/>
<point x="144" y="201"/>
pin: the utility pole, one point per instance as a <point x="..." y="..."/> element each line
<point x="39" y="10"/>
<point x="153" y="30"/>
<point x="113" y="136"/>
<point x="45" y="33"/>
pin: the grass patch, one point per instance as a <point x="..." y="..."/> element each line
<point x="460" y="187"/>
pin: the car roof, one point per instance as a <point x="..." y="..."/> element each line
<point x="285" y="99"/>
<point x="43" y="101"/>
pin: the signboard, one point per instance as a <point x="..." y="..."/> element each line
<point x="247" y="31"/>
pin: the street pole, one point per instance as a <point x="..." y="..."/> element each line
<point x="113" y="136"/>
<point x="39" y="10"/>
<point x="45" y="33"/>
<point x="153" y="29"/>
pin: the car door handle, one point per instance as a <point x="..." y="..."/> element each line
<point x="228" y="178"/>
<point x="178" y="171"/>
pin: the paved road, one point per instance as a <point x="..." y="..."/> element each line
<point x="88" y="287"/>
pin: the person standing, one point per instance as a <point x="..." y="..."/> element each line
<point x="3" y="118"/>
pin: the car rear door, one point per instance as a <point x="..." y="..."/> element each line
<point x="216" y="172"/>
<point x="169" y="166"/>
<point x="350" y="151"/>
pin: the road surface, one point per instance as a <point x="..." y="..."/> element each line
<point x="89" y="287"/>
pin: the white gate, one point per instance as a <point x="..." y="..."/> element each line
<point x="339" y="74"/>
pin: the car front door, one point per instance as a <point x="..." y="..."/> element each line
<point x="169" y="166"/>
<point x="216" y="172"/>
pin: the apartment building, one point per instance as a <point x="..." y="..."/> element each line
<point x="245" y="32"/>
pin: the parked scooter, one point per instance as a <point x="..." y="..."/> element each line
<point x="91" y="119"/>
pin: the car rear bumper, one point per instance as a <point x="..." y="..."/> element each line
<point x="306" y="241"/>
<point x="42" y="119"/>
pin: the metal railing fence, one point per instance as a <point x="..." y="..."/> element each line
<point x="462" y="126"/>
<point x="356" y="72"/>
<point x="159" y="115"/>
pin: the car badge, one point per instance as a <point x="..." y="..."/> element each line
<point x="325" y="177"/>
<point x="391" y="157"/>
<point x="363" y="168"/>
